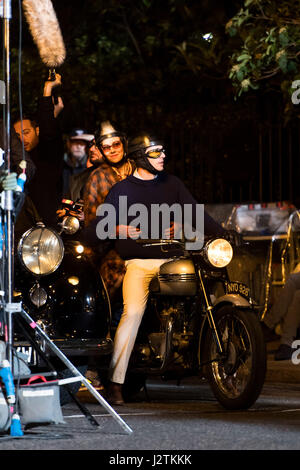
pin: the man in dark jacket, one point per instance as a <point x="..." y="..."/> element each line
<point x="78" y="181"/>
<point x="43" y="141"/>
<point x="17" y="156"/>
<point x="149" y="186"/>
<point x="76" y="157"/>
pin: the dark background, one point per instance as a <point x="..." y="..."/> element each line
<point x="128" y="61"/>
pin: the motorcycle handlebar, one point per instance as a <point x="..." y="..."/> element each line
<point x="149" y="242"/>
<point x="235" y="239"/>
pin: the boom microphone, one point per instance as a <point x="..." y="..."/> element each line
<point x="45" y="30"/>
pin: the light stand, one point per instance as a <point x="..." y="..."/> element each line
<point x="11" y="308"/>
<point x="7" y="196"/>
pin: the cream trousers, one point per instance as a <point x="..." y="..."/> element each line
<point x="139" y="273"/>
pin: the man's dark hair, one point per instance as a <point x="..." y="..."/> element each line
<point x="26" y="117"/>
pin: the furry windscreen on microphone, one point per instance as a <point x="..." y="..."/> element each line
<point x="45" y="30"/>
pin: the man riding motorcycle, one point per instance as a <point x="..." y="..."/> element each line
<point x="149" y="185"/>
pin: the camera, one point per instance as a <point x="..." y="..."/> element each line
<point x="71" y="206"/>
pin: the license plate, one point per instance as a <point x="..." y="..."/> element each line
<point x="238" y="288"/>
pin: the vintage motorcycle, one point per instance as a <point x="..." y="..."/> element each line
<point x="199" y="322"/>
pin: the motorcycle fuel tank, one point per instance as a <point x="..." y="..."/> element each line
<point x="177" y="277"/>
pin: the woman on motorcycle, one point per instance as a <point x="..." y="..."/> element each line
<point x="112" y="144"/>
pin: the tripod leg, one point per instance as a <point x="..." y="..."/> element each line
<point x="75" y="371"/>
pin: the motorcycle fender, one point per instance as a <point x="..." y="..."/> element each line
<point x="233" y="299"/>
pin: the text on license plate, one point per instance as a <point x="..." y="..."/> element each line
<point x="238" y="288"/>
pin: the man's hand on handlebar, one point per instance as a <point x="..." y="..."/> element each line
<point x="127" y="231"/>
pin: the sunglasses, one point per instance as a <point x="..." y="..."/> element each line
<point x="114" y="146"/>
<point x="155" y="153"/>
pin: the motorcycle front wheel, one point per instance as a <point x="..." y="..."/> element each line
<point x="236" y="377"/>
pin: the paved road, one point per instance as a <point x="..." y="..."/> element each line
<point x="177" y="419"/>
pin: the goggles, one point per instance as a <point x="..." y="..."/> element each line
<point x="155" y="153"/>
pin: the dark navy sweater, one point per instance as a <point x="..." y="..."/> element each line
<point x="164" y="189"/>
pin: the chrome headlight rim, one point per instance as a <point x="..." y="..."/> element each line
<point x="210" y="253"/>
<point x="21" y="245"/>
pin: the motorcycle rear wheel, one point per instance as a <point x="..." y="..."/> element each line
<point x="237" y="378"/>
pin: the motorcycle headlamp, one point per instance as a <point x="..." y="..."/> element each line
<point x="219" y="252"/>
<point x="41" y="250"/>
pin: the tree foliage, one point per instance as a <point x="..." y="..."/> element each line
<point x="174" y="67"/>
<point x="130" y="53"/>
<point x="266" y="46"/>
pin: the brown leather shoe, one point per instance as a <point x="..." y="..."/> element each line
<point x="114" y="394"/>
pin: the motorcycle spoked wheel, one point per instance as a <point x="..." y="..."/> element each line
<point x="236" y="380"/>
